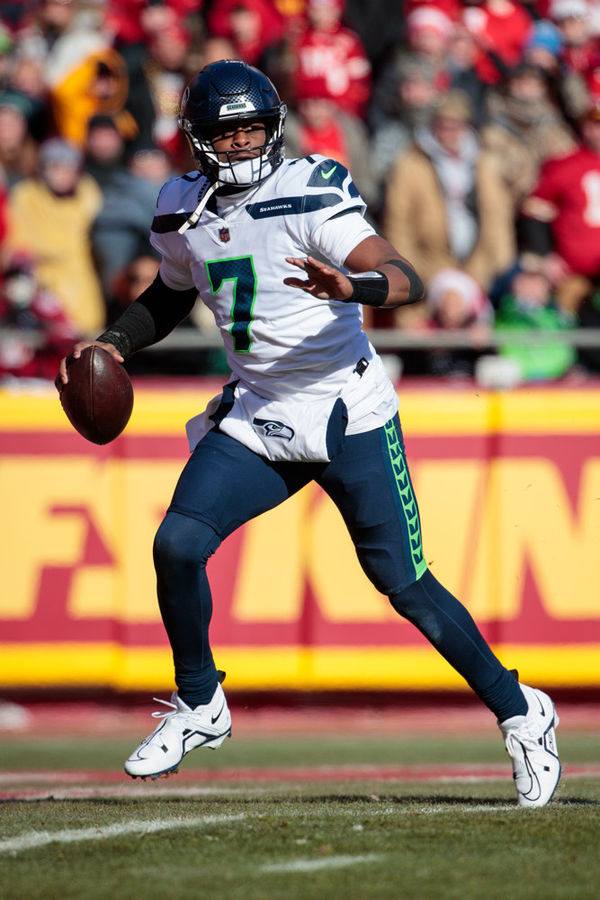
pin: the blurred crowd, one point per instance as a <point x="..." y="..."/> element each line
<point x="470" y="127"/>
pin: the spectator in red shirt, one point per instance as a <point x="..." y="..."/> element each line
<point x="252" y="26"/>
<point x="134" y="21"/>
<point x="592" y="77"/>
<point x="580" y="47"/>
<point x="501" y="27"/>
<point x="561" y="216"/>
<point x="330" y="51"/>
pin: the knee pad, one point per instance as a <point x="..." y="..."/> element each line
<point x="405" y="600"/>
<point x="421" y="603"/>
<point x="184" y="542"/>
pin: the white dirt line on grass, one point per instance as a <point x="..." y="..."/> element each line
<point x="384" y="810"/>
<point x="464" y="807"/>
<point x="33" y="839"/>
<point x="65" y="777"/>
<point x="451" y="808"/>
<point x="313" y="865"/>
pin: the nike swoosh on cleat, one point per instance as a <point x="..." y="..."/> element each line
<point x="327" y="175"/>
<point x="535" y="784"/>
<point x="213" y="719"/>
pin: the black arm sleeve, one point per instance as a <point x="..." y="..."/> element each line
<point x="150" y="318"/>
<point x="416" y="286"/>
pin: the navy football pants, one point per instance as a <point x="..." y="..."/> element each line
<point x="224" y="484"/>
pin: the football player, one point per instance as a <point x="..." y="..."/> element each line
<point x="280" y="251"/>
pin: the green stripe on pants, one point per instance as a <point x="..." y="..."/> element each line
<point x="406" y="494"/>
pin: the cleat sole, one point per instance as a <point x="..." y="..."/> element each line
<point x="154" y="775"/>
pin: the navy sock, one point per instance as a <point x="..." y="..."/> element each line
<point x="452" y="631"/>
<point x="505" y="698"/>
<point x="196" y="690"/>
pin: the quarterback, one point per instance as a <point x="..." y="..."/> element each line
<point x="281" y="253"/>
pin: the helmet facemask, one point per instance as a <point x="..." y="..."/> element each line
<point x="229" y="171"/>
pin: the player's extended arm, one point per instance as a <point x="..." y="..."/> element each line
<point x="381" y="277"/>
<point x="150" y="318"/>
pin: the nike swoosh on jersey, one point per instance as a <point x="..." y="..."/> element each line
<point x="327" y="175"/>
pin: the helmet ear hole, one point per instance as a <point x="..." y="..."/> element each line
<point x="231" y="90"/>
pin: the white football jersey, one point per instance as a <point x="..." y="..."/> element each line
<point x="279" y="340"/>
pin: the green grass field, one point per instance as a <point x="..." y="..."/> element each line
<point x="283" y="816"/>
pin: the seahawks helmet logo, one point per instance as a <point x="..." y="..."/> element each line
<point x="271" y="428"/>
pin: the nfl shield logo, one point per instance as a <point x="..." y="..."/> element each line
<point x="224" y="235"/>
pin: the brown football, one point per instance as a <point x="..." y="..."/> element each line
<point x="98" y="397"/>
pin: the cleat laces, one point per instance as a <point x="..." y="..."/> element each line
<point x="160" y="713"/>
<point x="529" y="740"/>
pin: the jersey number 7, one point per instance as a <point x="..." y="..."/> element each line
<point x="240" y="270"/>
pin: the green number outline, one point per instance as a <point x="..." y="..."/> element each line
<point x="244" y="295"/>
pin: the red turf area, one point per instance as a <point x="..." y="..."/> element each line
<point x="286" y="716"/>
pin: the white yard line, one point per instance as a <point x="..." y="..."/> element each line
<point x="313" y="865"/>
<point x="32" y="839"/>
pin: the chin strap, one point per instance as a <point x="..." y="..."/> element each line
<point x="203" y="200"/>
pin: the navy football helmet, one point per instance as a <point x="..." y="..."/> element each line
<point x="232" y="91"/>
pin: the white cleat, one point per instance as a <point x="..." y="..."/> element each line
<point x="531" y="744"/>
<point x="182" y="729"/>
